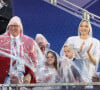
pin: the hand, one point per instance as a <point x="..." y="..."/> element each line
<point x="14" y="79"/>
<point x="81" y="47"/>
<point x="48" y="77"/>
<point x="27" y="78"/>
<point x="88" y="51"/>
<point x="91" y="56"/>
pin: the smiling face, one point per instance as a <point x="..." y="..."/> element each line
<point x="84" y="28"/>
<point x="50" y="58"/>
<point x="14" y="29"/>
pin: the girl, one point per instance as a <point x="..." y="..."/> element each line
<point x="48" y="73"/>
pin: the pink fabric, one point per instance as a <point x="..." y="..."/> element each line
<point x="27" y="46"/>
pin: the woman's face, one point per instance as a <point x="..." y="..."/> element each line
<point x="69" y="53"/>
<point x="84" y="28"/>
<point x="50" y="58"/>
<point x="14" y="29"/>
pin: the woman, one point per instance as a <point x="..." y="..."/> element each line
<point x="86" y="46"/>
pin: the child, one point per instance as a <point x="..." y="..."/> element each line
<point x="48" y="73"/>
<point x="72" y="69"/>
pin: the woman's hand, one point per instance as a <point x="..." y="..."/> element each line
<point x="81" y="48"/>
<point x="88" y="51"/>
<point x="91" y="57"/>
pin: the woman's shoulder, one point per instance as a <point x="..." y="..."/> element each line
<point x="73" y="37"/>
<point x="95" y="40"/>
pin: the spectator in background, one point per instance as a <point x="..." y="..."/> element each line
<point x="44" y="46"/>
<point x="42" y="42"/>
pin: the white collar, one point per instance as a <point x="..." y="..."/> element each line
<point x="66" y="58"/>
<point x="16" y="38"/>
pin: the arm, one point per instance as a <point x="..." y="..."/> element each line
<point x="91" y="56"/>
<point x="89" y="53"/>
<point x="33" y="53"/>
<point x="29" y="76"/>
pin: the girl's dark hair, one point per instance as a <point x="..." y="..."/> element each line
<point x="54" y="54"/>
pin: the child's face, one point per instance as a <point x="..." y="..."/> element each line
<point x="50" y="58"/>
<point x="69" y="53"/>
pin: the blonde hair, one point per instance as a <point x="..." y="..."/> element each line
<point x="89" y="24"/>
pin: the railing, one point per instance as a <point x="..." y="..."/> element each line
<point x="75" y="10"/>
<point x="9" y="86"/>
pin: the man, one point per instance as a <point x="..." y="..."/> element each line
<point x="44" y="46"/>
<point x="16" y="49"/>
<point x="42" y="43"/>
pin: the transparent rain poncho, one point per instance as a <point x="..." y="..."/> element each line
<point x="74" y="69"/>
<point x="47" y="74"/>
<point x="44" y="46"/>
<point x="46" y="70"/>
<point x="77" y="42"/>
<point x="28" y="55"/>
<point x="41" y="40"/>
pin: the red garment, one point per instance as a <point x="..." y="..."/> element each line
<point x="26" y="46"/>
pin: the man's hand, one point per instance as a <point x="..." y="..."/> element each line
<point x="14" y="79"/>
<point x="27" y="78"/>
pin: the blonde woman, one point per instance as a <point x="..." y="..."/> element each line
<point x="86" y="46"/>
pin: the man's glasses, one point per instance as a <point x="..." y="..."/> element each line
<point x="15" y="26"/>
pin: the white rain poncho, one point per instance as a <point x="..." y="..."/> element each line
<point x="76" y="41"/>
<point x="44" y="46"/>
<point x="48" y="72"/>
<point x="74" y="69"/>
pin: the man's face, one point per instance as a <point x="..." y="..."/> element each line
<point x="42" y="46"/>
<point x="14" y="29"/>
